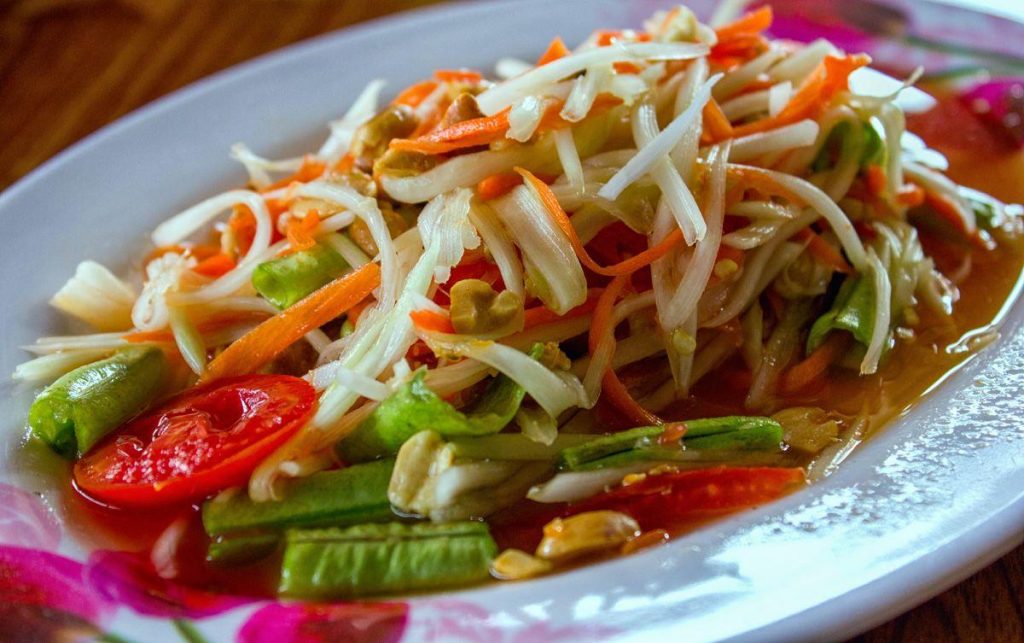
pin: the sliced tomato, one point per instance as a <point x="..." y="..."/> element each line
<point x="668" y="499"/>
<point x="207" y="439"/>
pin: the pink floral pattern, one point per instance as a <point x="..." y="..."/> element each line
<point x="129" y="579"/>
<point x="317" y="622"/>
<point x="42" y="593"/>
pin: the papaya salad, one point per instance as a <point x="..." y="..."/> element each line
<point x="497" y="327"/>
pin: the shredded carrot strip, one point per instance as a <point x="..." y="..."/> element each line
<point x="910" y="195"/>
<point x="215" y="266"/>
<point x="345" y="163"/>
<point x="611" y="386"/>
<point x="458" y="76"/>
<point x="200" y="251"/>
<point x="823" y="252"/>
<point x="310" y="170"/>
<point x="674" y="432"/>
<point x="876" y="180"/>
<point x="749" y="23"/>
<point x="431" y="320"/>
<point x="552" y="118"/>
<point x="555" y="50"/>
<point x="539" y="315"/>
<point x="716" y="123"/>
<point x="626" y="68"/>
<point x="470" y="133"/>
<point x="605" y="37"/>
<point x="813" y="96"/>
<point x="813" y="367"/>
<point x="273" y="336"/>
<point x="949" y="213"/>
<point x="413" y="95"/>
<point x="356" y="311"/>
<point x="625" y="267"/>
<point x="755" y="180"/>
<point x="497" y="185"/>
<point x="243" y="226"/>
<point x="300" y="232"/>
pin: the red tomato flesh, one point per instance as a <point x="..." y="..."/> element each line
<point x="206" y="439"/>
<point x="659" y="501"/>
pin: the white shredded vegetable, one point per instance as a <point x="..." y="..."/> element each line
<point x="96" y="296"/>
<point x="534" y="81"/>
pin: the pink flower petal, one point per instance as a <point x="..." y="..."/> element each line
<point x="319" y="622"/>
<point x="129" y="579"/>
<point x="33" y="578"/>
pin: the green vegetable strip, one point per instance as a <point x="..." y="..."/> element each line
<point x="83" y="406"/>
<point x="731" y="433"/>
<point x="288" y="279"/>
<point x="515" y="446"/>
<point x="375" y="559"/>
<point x="347" y="496"/>
<point x="415" y="407"/>
<point x="843" y="139"/>
<point x="737" y="432"/>
<point x="574" y="457"/>
<point x="243" y="548"/>
<point x="852" y="310"/>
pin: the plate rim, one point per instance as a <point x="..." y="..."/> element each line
<point x="855" y="611"/>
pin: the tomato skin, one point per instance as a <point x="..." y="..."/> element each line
<point x="660" y="501"/>
<point x="206" y="439"/>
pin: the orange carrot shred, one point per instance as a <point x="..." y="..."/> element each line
<point x="268" y="340"/>
<point x="215" y="266"/>
<point x="626" y="68"/>
<point x="413" y="95"/>
<point x="356" y="311"/>
<point x="469" y="76"/>
<point x="345" y="163"/>
<point x="469" y="133"/>
<point x="612" y="387"/>
<point x="497" y="185"/>
<point x="813" y="367"/>
<point x="539" y="315"/>
<point x="749" y="23"/>
<point x="823" y="252"/>
<point x="674" y="432"/>
<point x="300" y="232"/>
<point x="716" y="122"/>
<point x="431" y="320"/>
<point x="625" y="267"/>
<point x="948" y="212"/>
<point x="876" y="180"/>
<point x="555" y="50"/>
<point x="813" y="96"/>
<point x="910" y="195"/>
<point x="310" y="170"/>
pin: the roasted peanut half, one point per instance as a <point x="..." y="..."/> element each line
<point x="514" y="564"/>
<point x="585" y="533"/>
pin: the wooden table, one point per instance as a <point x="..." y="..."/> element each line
<point x="68" y="67"/>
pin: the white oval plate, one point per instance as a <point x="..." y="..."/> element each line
<point x="936" y="496"/>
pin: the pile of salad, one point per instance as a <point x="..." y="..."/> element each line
<point x="482" y="307"/>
